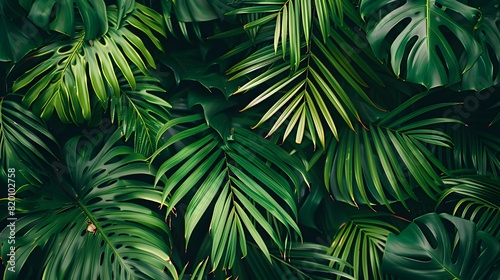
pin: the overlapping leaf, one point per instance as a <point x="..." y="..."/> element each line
<point x="361" y="242"/>
<point x="428" y="44"/>
<point x="303" y="261"/>
<point x="324" y="83"/>
<point x="66" y="72"/>
<point x="25" y="142"/>
<point x="245" y="178"/>
<point x="476" y="198"/>
<point x="486" y="71"/>
<point x="291" y="19"/>
<point x="17" y="34"/>
<point x="96" y="186"/>
<point x="472" y="150"/>
<point x="185" y="14"/>
<point x="442" y="247"/>
<point x="140" y="111"/>
<point x="384" y="163"/>
<point x="92" y="12"/>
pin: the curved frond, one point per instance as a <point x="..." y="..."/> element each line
<point x="66" y="72"/>
<point x="472" y="150"/>
<point x="385" y="162"/>
<point x="25" y="142"/>
<point x="476" y="198"/>
<point x="361" y="242"/>
<point x="324" y="83"/>
<point x="140" y="111"/>
<point x="245" y="178"/>
<point x="89" y="224"/>
<point x="302" y="261"/>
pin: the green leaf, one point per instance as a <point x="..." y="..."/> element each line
<point x="92" y="12"/>
<point x="25" y="142"/>
<point x="250" y="184"/>
<point x="361" y="242"/>
<point x="441" y="246"/>
<point x="422" y="36"/>
<point x="477" y="198"/>
<point x="18" y="34"/>
<point x="381" y="164"/>
<point x="96" y="188"/>
<point x="140" y="111"/>
<point x="62" y="71"/>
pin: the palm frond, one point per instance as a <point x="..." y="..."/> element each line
<point x="476" y="198"/>
<point x="140" y="111"/>
<point x="25" y="142"/>
<point x="361" y="242"/>
<point x="241" y="175"/>
<point x="292" y="19"/>
<point x="90" y="225"/>
<point x="302" y="261"/>
<point x="385" y="162"/>
<point x="306" y="96"/>
<point x="473" y="150"/>
<point x="66" y="71"/>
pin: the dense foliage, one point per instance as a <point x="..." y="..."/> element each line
<point x="250" y="139"/>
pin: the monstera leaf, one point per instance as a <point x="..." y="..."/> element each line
<point x="88" y="220"/>
<point x="426" y="40"/>
<point x="17" y="34"/>
<point x="92" y="12"/>
<point x="442" y="247"/>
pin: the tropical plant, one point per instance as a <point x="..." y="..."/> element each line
<point x="429" y="248"/>
<point x="250" y="139"/>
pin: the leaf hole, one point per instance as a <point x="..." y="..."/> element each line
<point x="429" y="236"/>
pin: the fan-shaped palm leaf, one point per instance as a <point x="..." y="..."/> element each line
<point x="478" y="200"/>
<point x="361" y="242"/>
<point x="140" y="111"/>
<point x="232" y="174"/>
<point x="96" y="194"/>
<point x="64" y="70"/>
<point x="442" y="247"/>
<point x="25" y="142"/>
<point x="383" y="163"/>
<point x="424" y="47"/>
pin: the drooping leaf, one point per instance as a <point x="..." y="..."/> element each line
<point x="473" y="149"/>
<point x="233" y="176"/>
<point x="441" y="247"/>
<point x="387" y="161"/>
